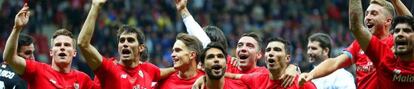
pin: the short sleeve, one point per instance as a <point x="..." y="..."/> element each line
<point x="352" y="52"/>
<point x="153" y="70"/>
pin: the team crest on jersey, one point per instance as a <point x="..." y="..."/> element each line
<point x="140" y="73"/>
<point x="361" y="52"/>
<point x="53" y="81"/>
<point x="124" y="76"/>
<point x="76" y="85"/>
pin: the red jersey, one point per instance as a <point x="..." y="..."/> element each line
<point x="364" y="65"/>
<point x="174" y="82"/>
<point x="391" y="71"/>
<point x="227" y="84"/>
<point x="43" y="76"/>
<point x="236" y="70"/>
<point x="112" y="75"/>
<point x="263" y="81"/>
<point x="96" y="82"/>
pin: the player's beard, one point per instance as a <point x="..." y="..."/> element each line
<point x="210" y="74"/>
<point x="405" y="52"/>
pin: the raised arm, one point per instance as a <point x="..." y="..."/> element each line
<point x="356" y="24"/>
<point x="325" y="68"/>
<point x="92" y="56"/>
<point x="400" y="8"/>
<point x="10" y="52"/>
<point x="193" y="28"/>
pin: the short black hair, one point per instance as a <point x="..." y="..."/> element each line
<point x="216" y="35"/>
<point x="402" y="19"/>
<point x="24" y="40"/>
<point x="281" y="40"/>
<point x="325" y="41"/>
<point x="209" y="46"/>
<point x="256" y="37"/>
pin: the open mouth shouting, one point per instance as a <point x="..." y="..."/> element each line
<point x="217" y="69"/>
<point x="62" y="55"/>
<point x="243" y="58"/>
<point x="125" y="53"/>
<point x="401" y="44"/>
<point x="370" y="25"/>
<point x="271" y="62"/>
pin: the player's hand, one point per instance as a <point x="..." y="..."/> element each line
<point x="289" y="76"/>
<point x="98" y="2"/>
<point x="200" y="66"/>
<point x="22" y="17"/>
<point x="234" y="61"/>
<point x="304" y="77"/>
<point x="198" y="84"/>
<point x="181" y="5"/>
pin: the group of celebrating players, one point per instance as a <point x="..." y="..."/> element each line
<point x="383" y="53"/>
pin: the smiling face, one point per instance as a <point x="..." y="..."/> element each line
<point x="214" y="63"/>
<point x="377" y="19"/>
<point x="403" y="42"/>
<point x="276" y="56"/>
<point x="63" y="50"/>
<point x="248" y="52"/>
<point x="129" y="48"/>
<point x="181" y="55"/>
<point x="315" y="52"/>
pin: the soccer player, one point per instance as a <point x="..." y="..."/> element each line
<point x="40" y="75"/>
<point x="214" y="34"/>
<point x="277" y="56"/>
<point x="11" y="80"/>
<point x="127" y="72"/>
<point x="377" y="19"/>
<point x="394" y="66"/>
<point x="320" y="48"/>
<point x="248" y="52"/>
<point x="186" y="51"/>
<point x="213" y="59"/>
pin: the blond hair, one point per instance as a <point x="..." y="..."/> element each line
<point x="385" y="4"/>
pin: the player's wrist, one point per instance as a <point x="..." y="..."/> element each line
<point x="310" y="76"/>
<point x="16" y="27"/>
<point x="184" y="13"/>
